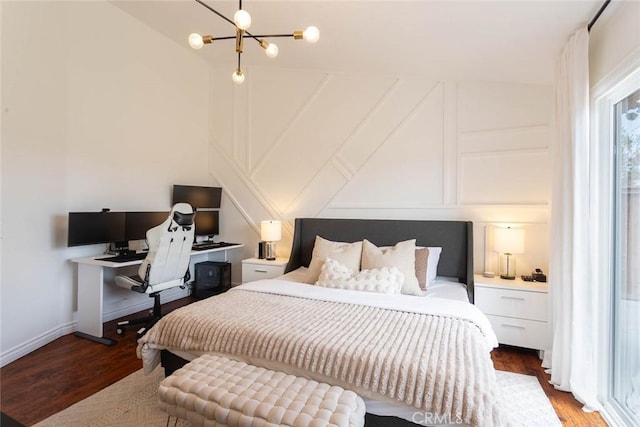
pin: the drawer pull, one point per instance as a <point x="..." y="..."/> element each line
<point x="515" y="298"/>
<point x="260" y="271"/>
<point x="513" y="326"/>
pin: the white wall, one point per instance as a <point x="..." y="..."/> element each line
<point x="98" y="110"/>
<point x="290" y="144"/>
<point x="101" y="111"/>
<point x="614" y="39"/>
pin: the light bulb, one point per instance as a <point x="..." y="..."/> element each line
<point x="271" y="50"/>
<point x="242" y="19"/>
<point x="195" y="41"/>
<point x="311" y="34"/>
<point x="238" y="76"/>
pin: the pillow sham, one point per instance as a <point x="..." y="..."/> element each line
<point x="432" y="262"/>
<point x="422" y="256"/>
<point x="427" y="259"/>
<point x="402" y="256"/>
<point x="383" y="280"/>
<point x="348" y="254"/>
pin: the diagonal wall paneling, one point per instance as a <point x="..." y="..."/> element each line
<point x="310" y="142"/>
<point x="290" y="144"/>
<point x="405" y="169"/>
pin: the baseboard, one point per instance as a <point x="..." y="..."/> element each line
<point x="33" y="344"/>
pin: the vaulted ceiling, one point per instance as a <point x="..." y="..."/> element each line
<point x="508" y="40"/>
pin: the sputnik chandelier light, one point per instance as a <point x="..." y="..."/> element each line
<point x="242" y="21"/>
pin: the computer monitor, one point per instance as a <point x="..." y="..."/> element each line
<point x="88" y="228"/>
<point x="137" y="223"/>
<point x="207" y="223"/>
<point x="198" y="197"/>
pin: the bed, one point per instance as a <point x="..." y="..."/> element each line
<point x="415" y="359"/>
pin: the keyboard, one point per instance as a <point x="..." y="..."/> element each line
<point x="132" y="256"/>
<point x="203" y="246"/>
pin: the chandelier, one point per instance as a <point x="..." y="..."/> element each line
<point x="242" y="21"/>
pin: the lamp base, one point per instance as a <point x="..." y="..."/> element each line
<point x="270" y="251"/>
<point x="507" y="266"/>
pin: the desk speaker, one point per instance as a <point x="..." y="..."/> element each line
<point x="211" y="278"/>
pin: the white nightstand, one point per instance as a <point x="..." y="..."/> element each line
<point x="256" y="269"/>
<point x="517" y="310"/>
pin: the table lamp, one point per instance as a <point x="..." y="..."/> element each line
<point x="270" y="233"/>
<point x="508" y="241"/>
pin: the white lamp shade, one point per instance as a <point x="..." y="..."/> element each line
<point x="270" y="231"/>
<point x="508" y="240"/>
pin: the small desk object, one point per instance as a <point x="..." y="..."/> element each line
<point x="91" y="291"/>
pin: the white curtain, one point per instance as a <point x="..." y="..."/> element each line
<point x="572" y="358"/>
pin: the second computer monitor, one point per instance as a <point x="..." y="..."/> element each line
<point x="137" y="223"/>
<point x="197" y="196"/>
<point x="207" y="223"/>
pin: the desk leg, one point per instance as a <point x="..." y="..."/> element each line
<point x="90" y="282"/>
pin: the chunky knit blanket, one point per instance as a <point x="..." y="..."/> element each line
<point x="433" y="363"/>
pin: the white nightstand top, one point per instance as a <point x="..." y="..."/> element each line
<point x="516" y="284"/>
<point x="258" y="261"/>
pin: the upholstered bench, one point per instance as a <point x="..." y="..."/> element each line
<point x="212" y="390"/>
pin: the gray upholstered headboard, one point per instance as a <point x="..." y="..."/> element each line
<point x="455" y="238"/>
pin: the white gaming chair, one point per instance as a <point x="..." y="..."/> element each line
<point x="166" y="265"/>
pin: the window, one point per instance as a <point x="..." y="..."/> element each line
<point x="625" y="334"/>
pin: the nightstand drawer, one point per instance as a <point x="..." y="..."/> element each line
<point x="512" y="303"/>
<point x="257" y="269"/>
<point x="519" y="332"/>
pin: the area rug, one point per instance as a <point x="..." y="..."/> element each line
<point x="132" y="402"/>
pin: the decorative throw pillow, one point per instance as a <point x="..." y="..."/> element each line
<point x="348" y="254"/>
<point x="427" y="265"/>
<point x="422" y="255"/>
<point x="402" y="256"/>
<point x="383" y="280"/>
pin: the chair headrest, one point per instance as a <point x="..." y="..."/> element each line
<point x="182" y="214"/>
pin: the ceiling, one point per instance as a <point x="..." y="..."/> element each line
<point x="508" y="40"/>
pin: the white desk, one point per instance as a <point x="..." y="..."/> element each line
<point x="90" y="291"/>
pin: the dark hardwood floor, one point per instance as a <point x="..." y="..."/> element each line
<point x="70" y="369"/>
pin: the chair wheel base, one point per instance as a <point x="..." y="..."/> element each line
<point x="140" y="333"/>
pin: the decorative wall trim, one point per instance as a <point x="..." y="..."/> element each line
<point x="543" y="127"/>
<point x="376" y="108"/>
<point x="499" y="152"/>
<point x="287" y="129"/>
<point x="253" y="189"/>
<point x="450" y="142"/>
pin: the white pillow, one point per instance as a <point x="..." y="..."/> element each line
<point x="348" y="254"/>
<point x="402" y="256"/>
<point x="432" y="262"/>
<point x="383" y="280"/>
